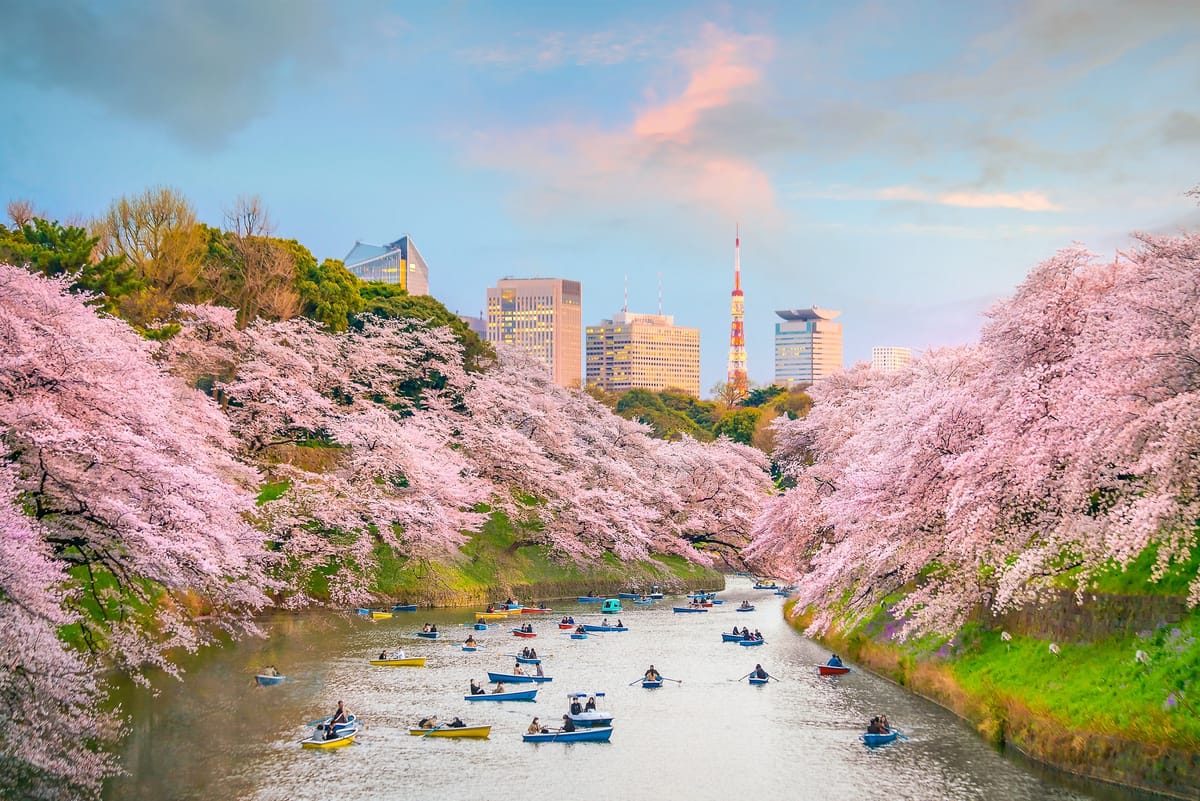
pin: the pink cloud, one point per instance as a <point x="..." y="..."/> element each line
<point x="1024" y="201"/>
<point x="656" y="157"/>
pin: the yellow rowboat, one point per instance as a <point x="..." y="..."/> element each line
<point x="380" y="615"/>
<point x="412" y="661"/>
<point x="316" y="742"/>
<point x="491" y="615"/>
<point x="449" y="731"/>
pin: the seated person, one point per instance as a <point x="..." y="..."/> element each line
<point x="568" y="724"/>
<point x="433" y="628"/>
<point x="533" y="653"/>
<point x="539" y="669"/>
<point x="620" y="625"/>
<point x="576" y="707"/>
<point x="383" y="654"/>
<point x="428" y="723"/>
<point x="652" y="674"/>
<point x="835" y="661"/>
<point x="580" y="629"/>
<point x="534" y="727"/>
<point x="499" y="688"/>
<point x="591" y="704"/>
<point x="456" y="724"/>
<point x="470" y="640"/>
<point x="475" y="688"/>
<point x="517" y="669"/>
<point x="759" y="673"/>
<point x="873" y="727"/>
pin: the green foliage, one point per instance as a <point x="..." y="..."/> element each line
<point x="738" y="425"/>
<point x="1138" y="577"/>
<point x="391" y="302"/>
<point x="52" y="249"/>
<point x="759" y="396"/>
<point x="271" y="491"/>
<point x="668" y="421"/>
<point x="329" y="293"/>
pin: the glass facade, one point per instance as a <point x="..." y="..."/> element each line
<point x="543" y="317"/>
<point x="808" y="345"/>
<point x="643" y="351"/>
<point x="398" y="262"/>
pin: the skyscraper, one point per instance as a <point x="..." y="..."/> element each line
<point x="736" y="376"/>
<point x="397" y="262"/>
<point x="543" y="317"/>
<point x="890" y="359"/>
<point x="646" y="351"/>
<point x="808" y="345"/>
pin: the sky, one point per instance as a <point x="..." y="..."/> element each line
<point x="906" y="163"/>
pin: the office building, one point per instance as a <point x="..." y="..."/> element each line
<point x="890" y="359"/>
<point x="543" y="317"/>
<point x="397" y="262"/>
<point x="643" y="351"/>
<point x="808" y="345"/>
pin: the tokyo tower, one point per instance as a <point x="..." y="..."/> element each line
<point x="738" y="381"/>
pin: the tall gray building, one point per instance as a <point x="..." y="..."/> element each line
<point x="808" y="345"/>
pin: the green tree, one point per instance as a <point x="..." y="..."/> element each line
<point x="47" y="247"/>
<point x="759" y="396"/>
<point x="329" y="293"/>
<point x="738" y="425"/>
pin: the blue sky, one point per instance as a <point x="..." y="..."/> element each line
<point x="905" y="162"/>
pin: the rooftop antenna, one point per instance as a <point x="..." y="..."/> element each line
<point x="660" y="294"/>
<point x="625" y="308"/>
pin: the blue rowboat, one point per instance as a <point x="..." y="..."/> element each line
<point x="643" y="603"/>
<point x="429" y="635"/>
<point x="265" y="680"/>
<point x="518" y="695"/>
<point x="595" y="734"/>
<point x="873" y="740"/>
<point x="682" y="609"/>
<point x="731" y="637"/>
<point x="750" y="643"/>
<point x="513" y="678"/>
<point x="404" y="608"/>
<point x="589" y="599"/>
<point x="745" y="608"/>
<point x="756" y="680"/>
<point x="470" y="648"/>
<point x="575" y="636"/>
<point x="526" y="660"/>
<point x="650" y="685"/>
<point x="588" y="627"/>
<point x="629" y="595"/>
<point x="481" y="626"/>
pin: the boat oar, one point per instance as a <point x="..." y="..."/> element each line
<point x="677" y="681"/>
<point x="739" y="678"/>
<point x="635" y="681"/>
<point x="899" y="733"/>
<point x="319" y="722"/>
<point x="431" y="731"/>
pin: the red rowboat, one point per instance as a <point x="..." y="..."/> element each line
<point x="830" y="670"/>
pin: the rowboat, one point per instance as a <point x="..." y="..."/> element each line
<point x="589" y="599"/>
<point x="757" y="680"/>
<point x="879" y="739"/>
<point x="510" y="608"/>
<point x="650" y="684"/>
<point x="744" y="609"/>
<point x="411" y="661"/>
<point x="611" y="606"/>
<point x="481" y="626"/>
<point x="526" y="660"/>
<point x="682" y="609"/>
<point x="267" y="680"/>
<point x="517" y="678"/>
<point x="317" y="738"/>
<point x="832" y="670"/>
<point x="717" y="601"/>
<point x="731" y="637"/>
<point x="491" y="615"/>
<point x="404" y="608"/>
<point x="480" y="732"/>
<point x="429" y="635"/>
<point x="771" y="586"/>
<point x="588" y="717"/>
<point x="594" y="734"/>
<point x="629" y="595"/>
<point x="526" y="634"/>
<point x="470" y="647"/>
<point x="566" y="625"/>
<point x="517" y="695"/>
<point x="750" y="643"/>
<point x="380" y="615"/>
<point x="589" y="627"/>
<point x="535" y="610"/>
<point x="644" y="603"/>
<point x="577" y="636"/>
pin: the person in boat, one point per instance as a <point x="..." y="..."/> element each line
<point x="470" y="640"/>
<point x="539" y="669"/>
<point x="491" y="608"/>
<point x="745" y="604"/>
<point x="604" y="622"/>
<point x="576" y="707"/>
<point x="568" y="724"/>
<point x="534" y="727"/>
<point x="652" y="674"/>
<point x="517" y="669"/>
<point x="580" y="629"/>
<point x="873" y="727"/>
<point x="757" y="634"/>
<point x="835" y="661"/>
<point x="339" y="716"/>
<point x="745" y="632"/>
<point x="620" y="625"/>
<point x="383" y="654"/>
<point x="475" y="688"/>
<point x="564" y="621"/>
<point x="883" y="724"/>
<point x="428" y="723"/>
<point x="533" y="653"/>
<point x="759" y="673"/>
<point x="456" y="724"/>
<point x="271" y="671"/>
<point x="590" y="706"/>
<point x="509" y="601"/>
<point x="499" y="688"/>
<point x="433" y="628"/>
<point x="481" y="622"/>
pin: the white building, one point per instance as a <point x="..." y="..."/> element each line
<point x="890" y="359"/>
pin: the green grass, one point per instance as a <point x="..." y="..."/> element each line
<point x="271" y="491"/>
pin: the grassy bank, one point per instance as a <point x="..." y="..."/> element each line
<point x="1093" y="709"/>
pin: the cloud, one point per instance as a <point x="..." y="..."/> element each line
<point x="1022" y="201"/>
<point x="1181" y="127"/>
<point x="657" y="156"/>
<point x="202" y="71"/>
<point x="551" y="49"/>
